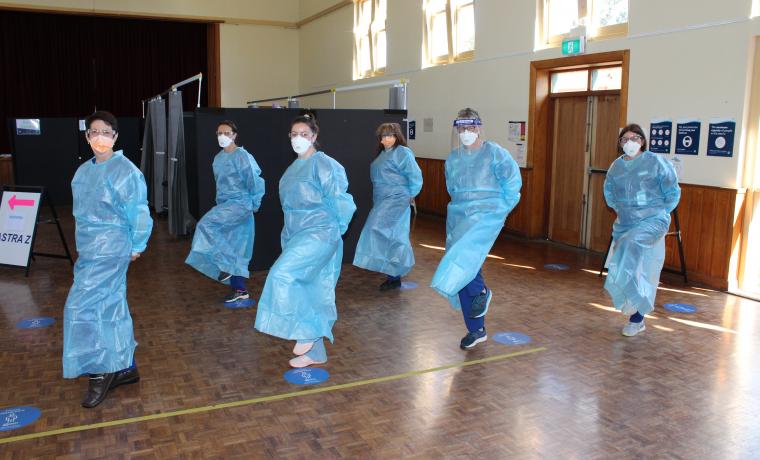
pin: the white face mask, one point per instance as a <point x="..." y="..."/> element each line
<point x="224" y="141"/>
<point x="300" y="144"/>
<point x="468" y="138"/>
<point x="632" y="148"/>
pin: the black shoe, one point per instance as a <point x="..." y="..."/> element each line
<point x="98" y="389"/>
<point x="126" y="377"/>
<point x="101" y="384"/>
<point x="236" y="296"/>
<point x="390" y="284"/>
<point x="473" y="338"/>
<point x="480" y="303"/>
<point x="223" y="276"/>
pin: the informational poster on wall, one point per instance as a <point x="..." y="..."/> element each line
<point x="720" y="137"/>
<point x="687" y="136"/>
<point x="516" y="142"/>
<point x="660" y="135"/>
<point x="18" y="219"/>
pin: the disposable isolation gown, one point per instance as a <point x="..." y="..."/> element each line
<point x="384" y="242"/>
<point x="484" y="186"/>
<point x="112" y="223"/>
<point x="643" y="192"/>
<point x="223" y="239"/>
<point x="298" y="300"/>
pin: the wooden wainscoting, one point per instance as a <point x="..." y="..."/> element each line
<point x="711" y="221"/>
<point x="434" y="197"/>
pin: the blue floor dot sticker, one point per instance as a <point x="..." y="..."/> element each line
<point x="35" y="323"/>
<point x="680" y="307"/>
<point x="307" y="376"/>
<point x="511" y="338"/>
<point x="245" y="303"/>
<point x="406" y="285"/>
<point x="556" y="267"/>
<point x="12" y="418"/>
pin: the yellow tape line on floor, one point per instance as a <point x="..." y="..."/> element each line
<point x="263" y="399"/>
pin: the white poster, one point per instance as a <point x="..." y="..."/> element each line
<point x="18" y="217"/>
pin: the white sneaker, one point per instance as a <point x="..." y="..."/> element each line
<point x="631" y="329"/>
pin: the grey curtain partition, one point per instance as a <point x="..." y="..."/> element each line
<point x="153" y="162"/>
<point x="181" y="222"/>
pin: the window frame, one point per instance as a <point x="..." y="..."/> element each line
<point x="374" y="28"/>
<point x="588" y="91"/>
<point x="451" y="13"/>
<point x="586" y="10"/>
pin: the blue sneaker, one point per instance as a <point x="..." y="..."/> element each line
<point x="473" y="338"/>
<point x="236" y="296"/>
<point x="480" y="304"/>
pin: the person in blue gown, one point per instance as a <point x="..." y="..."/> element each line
<point x="113" y="225"/>
<point x="384" y="245"/>
<point x="642" y="188"/>
<point x="298" y="300"/>
<point x="223" y="239"/>
<point x="484" y="184"/>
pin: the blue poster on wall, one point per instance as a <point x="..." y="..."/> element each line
<point x="687" y="136"/>
<point x="660" y="134"/>
<point x="720" y="138"/>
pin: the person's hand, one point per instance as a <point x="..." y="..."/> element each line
<point x="135" y="256"/>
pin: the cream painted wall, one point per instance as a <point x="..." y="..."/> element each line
<point x="257" y="62"/>
<point x="689" y="58"/>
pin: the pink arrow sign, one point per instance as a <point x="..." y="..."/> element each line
<point x="13" y="202"/>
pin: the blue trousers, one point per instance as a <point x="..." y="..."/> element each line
<point x="466" y="295"/>
<point x="238" y="283"/>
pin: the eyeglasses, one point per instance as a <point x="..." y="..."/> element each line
<point x="471" y="129"/>
<point x="224" y="133"/>
<point x="304" y="134"/>
<point x="97" y="132"/>
<point x="387" y="135"/>
<point x="634" y="138"/>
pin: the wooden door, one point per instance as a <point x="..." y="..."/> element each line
<point x="568" y="170"/>
<point x="604" y="132"/>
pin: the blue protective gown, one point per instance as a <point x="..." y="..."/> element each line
<point x="112" y="223"/>
<point x="223" y="239"/>
<point x="484" y="186"/>
<point x="643" y="192"/>
<point x="384" y="242"/>
<point x="298" y="300"/>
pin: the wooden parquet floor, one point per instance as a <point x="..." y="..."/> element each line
<point x="687" y="388"/>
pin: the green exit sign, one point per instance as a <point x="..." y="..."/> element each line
<point x="575" y="45"/>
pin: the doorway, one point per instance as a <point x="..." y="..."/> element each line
<point x="585" y="107"/>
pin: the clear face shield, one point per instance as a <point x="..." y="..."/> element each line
<point x="466" y="134"/>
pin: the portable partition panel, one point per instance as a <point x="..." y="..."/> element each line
<point x="348" y="136"/>
<point x="51" y="157"/>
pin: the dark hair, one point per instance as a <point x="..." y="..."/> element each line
<point x="229" y="123"/>
<point x="309" y="121"/>
<point x="633" y="128"/>
<point x="468" y="113"/>
<point x="105" y="117"/>
<point x="392" y="128"/>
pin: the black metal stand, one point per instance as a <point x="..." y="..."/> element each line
<point x="676" y="233"/>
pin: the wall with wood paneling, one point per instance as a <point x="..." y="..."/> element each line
<point x="710" y="222"/>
